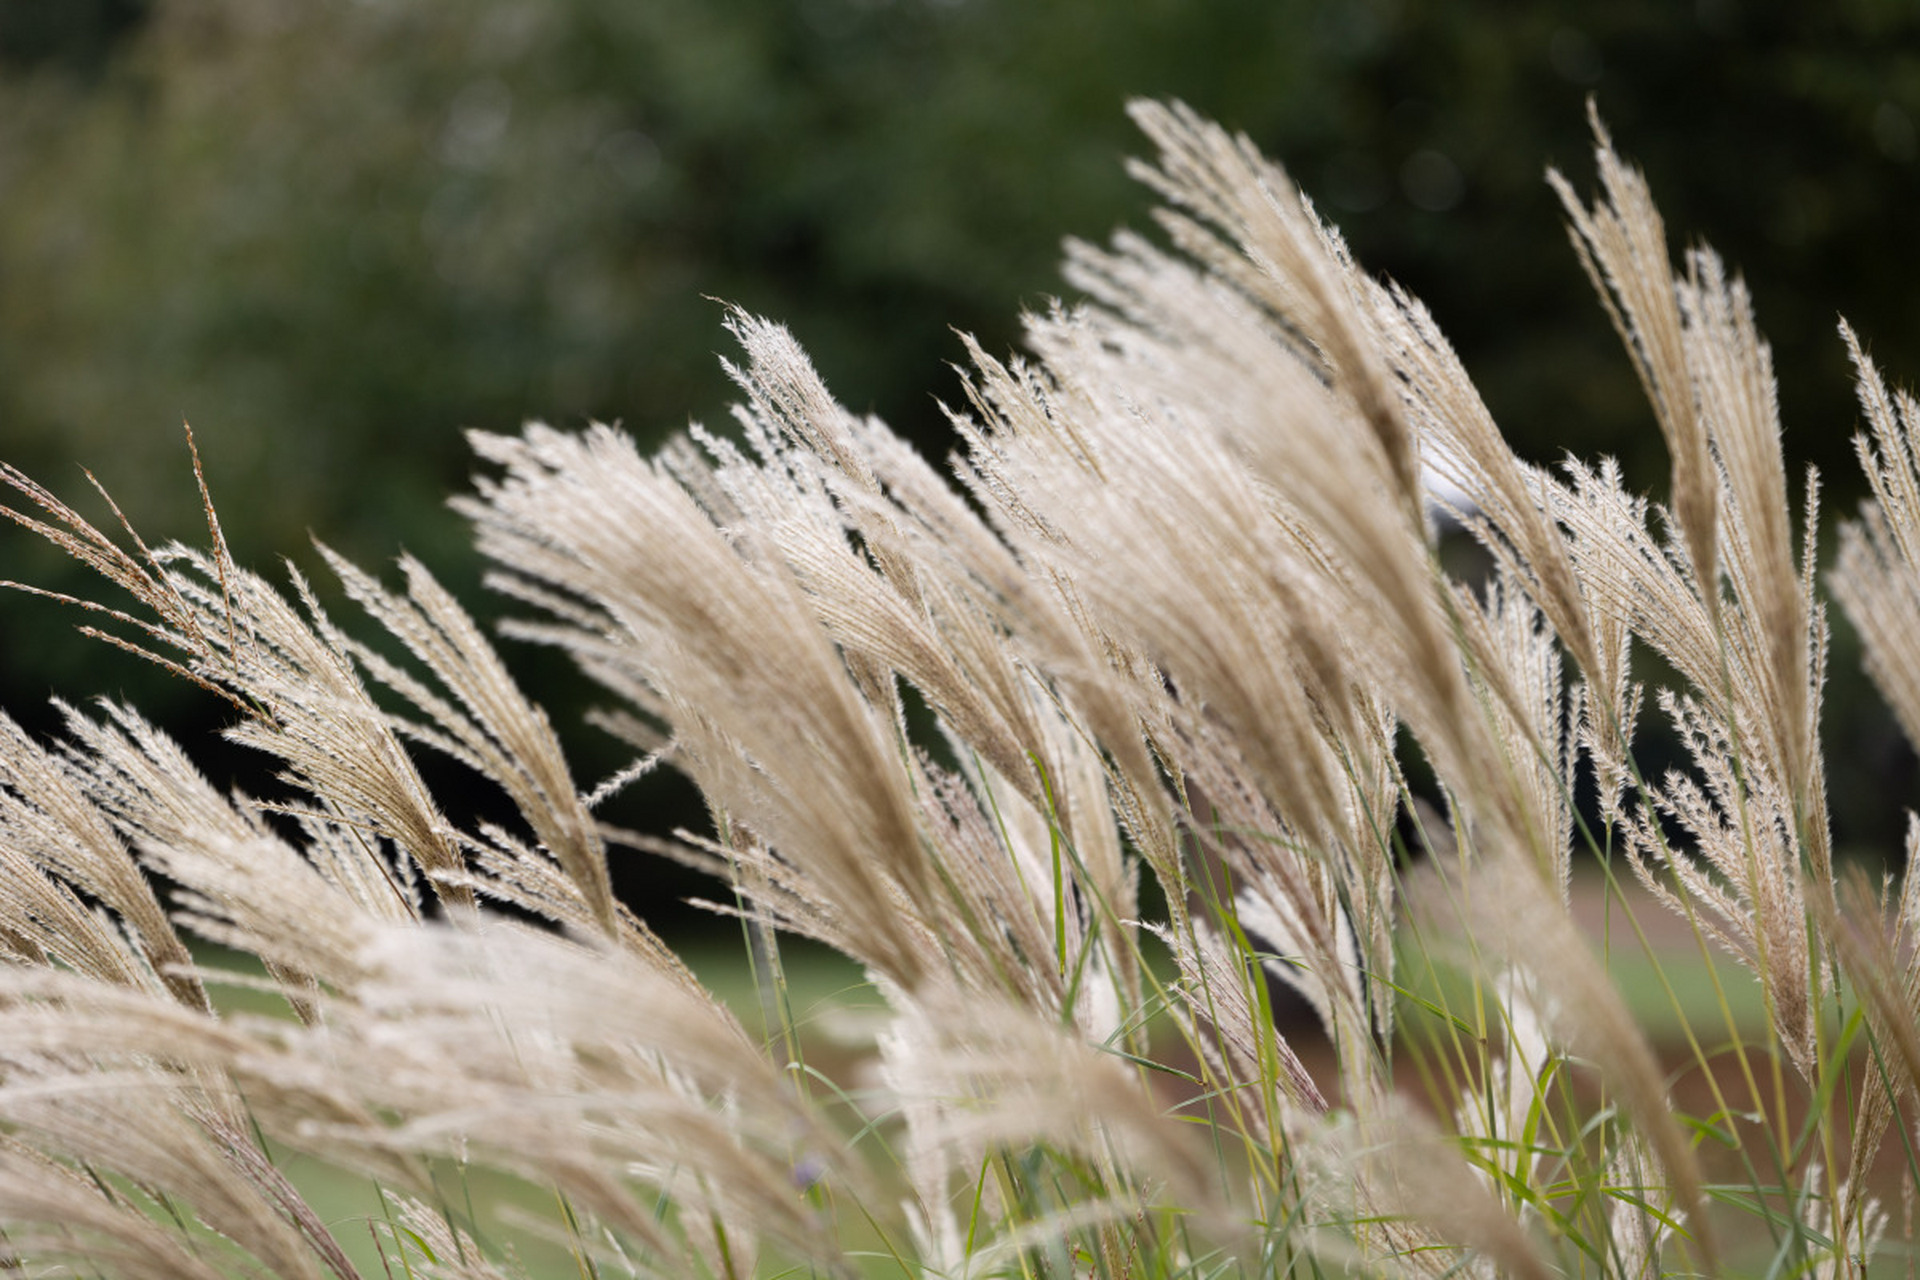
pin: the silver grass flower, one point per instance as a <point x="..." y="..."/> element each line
<point x="1180" y="622"/>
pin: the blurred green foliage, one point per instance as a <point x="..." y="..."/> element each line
<point x="333" y="233"/>
<point x="80" y="34"/>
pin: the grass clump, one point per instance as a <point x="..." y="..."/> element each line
<point x="1183" y="621"/>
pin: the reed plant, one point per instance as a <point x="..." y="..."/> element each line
<point x="1096" y="753"/>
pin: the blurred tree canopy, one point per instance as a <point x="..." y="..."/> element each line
<point x="333" y="233"/>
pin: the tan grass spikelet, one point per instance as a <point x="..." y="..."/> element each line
<point x="1334" y="461"/>
<point x="1510" y="504"/>
<point x="1032" y="457"/>
<point x="338" y="743"/>
<point x="1181" y="554"/>
<point x="45" y="922"/>
<point x="1190" y="357"/>
<point x="1219" y="1015"/>
<point x="1292" y="906"/>
<point x="1605" y="528"/>
<point x="1876" y="578"/>
<point x="1875" y="583"/>
<point x="1732" y="371"/>
<point x="57" y="1215"/>
<point x="1177" y="552"/>
<point x="584" y="1066"/>
<point x="717" y="628"/>
<point x="1763" y="810"/>
<point x="1193" y="606"/>
<point x="1027" y="597"/>
<point x="242" y="885"/>
<point x="1055" y="936"/>
<point x="814" y="492"/>
<point x="449" y="1253"/>
<point x="994" y="847"/>
<point x="1710" y="378"/>
<point x="1082" y="922"/>
<point x="140" y="1124"/>
<point x="1622" y="245"/>
<point x="1025" y="630"/>
<point x="141" y="573"/>
<point x="1514" y="919"/>
<point x="48" y="822"/>
<point x="1846" y="1245"/>
<point x="1881" y="958"/>
<point x="1317" y="912"/>
<point x="291" y="676"/>
<point x="230" y="1077"/>
<point x="1755" y="899"/>
<point x="1194" y="362"/>
<point x="1516" y="660"/>
<point x="974" y="1075"/>
<point x="1630" y="575"/>
<point x="1228" y="183"/>
<point x="780" y="505"/>
<point x="494" y="729"/>
<point x="1419" y="1202"/>
<point x="1878" y="945"/>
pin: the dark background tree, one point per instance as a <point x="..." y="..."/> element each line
<point x="333" y="233"/>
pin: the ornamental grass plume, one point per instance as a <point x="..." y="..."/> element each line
<point x="1093" y="754"/>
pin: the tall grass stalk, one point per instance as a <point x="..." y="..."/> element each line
<point x="1186" y="969"/>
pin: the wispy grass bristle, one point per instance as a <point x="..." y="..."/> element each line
<point x="1224" y="863"/>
